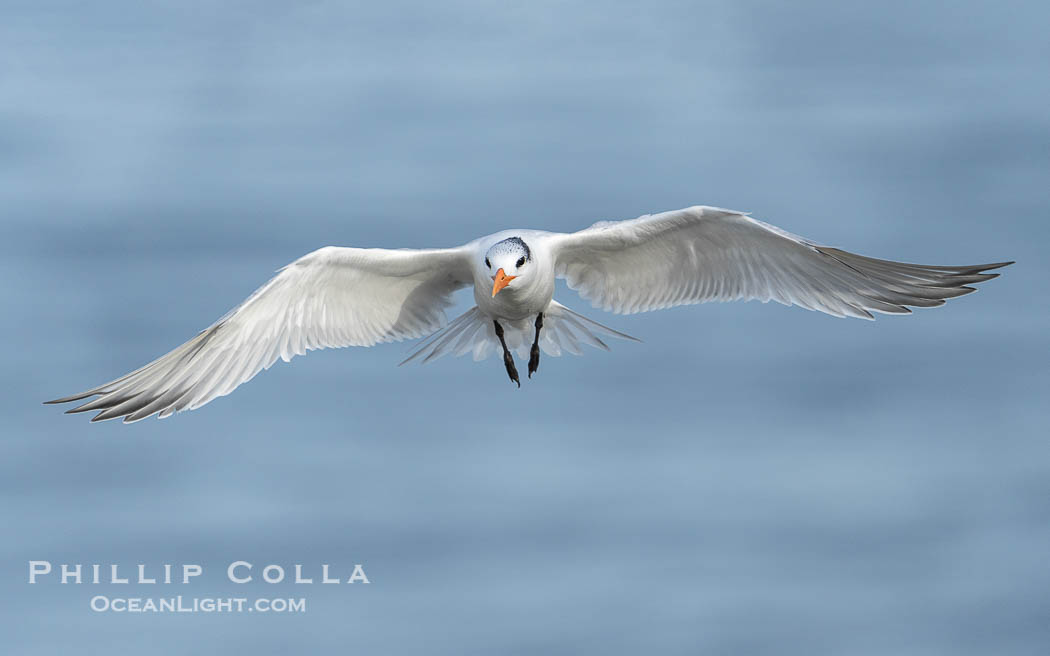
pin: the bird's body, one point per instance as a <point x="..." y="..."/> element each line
<point x="337" y="297"/>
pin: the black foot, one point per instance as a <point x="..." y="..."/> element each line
<point x="508" y="359"/>
<point x="534" y="354"/>
<point x="534" y="360"/>
<point x="512" y="371"/>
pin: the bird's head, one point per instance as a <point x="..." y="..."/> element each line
<point x="507" y="260"/>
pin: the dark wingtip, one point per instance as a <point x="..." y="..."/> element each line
<point x="83" y="407"/>
<point x="69" y="399"/>
<point x="996" y="265"/>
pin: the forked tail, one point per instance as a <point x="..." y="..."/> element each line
<point x="474" y="332"/>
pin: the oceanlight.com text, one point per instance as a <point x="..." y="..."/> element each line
<point x="181" y="604"/>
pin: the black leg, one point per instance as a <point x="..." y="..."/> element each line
<point x="508" y="359"/>
<point x="534" y="355"/>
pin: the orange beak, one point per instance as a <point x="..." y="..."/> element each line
<point x="500" y="280"/>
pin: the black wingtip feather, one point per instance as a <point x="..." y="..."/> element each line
<point x="70" y="399"/>
<point x="99" y="417"/>
<point x="85" y="407"/>
<point x="999" y="265"/>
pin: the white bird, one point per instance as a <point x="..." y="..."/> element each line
<point x="335" y="297"/>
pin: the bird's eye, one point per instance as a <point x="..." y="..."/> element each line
<point x="521" y="261"/>
<point x="487" y="263"/>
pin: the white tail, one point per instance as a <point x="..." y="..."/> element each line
<point x="473" y="332"/>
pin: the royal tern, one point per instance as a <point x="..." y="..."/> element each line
<point x="336" y="297"/>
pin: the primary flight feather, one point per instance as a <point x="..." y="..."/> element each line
<point x="336" y="297"/>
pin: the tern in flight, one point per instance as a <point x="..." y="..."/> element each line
<point x="336" y="297"/>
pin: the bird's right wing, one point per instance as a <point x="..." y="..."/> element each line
<point x="329" y="298"/>
<point x="701" y="254"/>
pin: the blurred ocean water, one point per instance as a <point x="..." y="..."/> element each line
<point x="750" y="479"/>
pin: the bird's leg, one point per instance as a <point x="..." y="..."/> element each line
<point x="508" y="359"/>
<point x="534" y="355"/>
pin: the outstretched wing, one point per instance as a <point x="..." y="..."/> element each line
<point x="701" y="254"/>
<point x="332" y="297"/>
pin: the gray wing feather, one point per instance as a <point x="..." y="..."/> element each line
<point x="702" y="254"/>
<point x="332" y="297"/>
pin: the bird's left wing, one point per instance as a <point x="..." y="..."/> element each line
<point x="703" y="254"/>
<point x="331" y="297"/>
